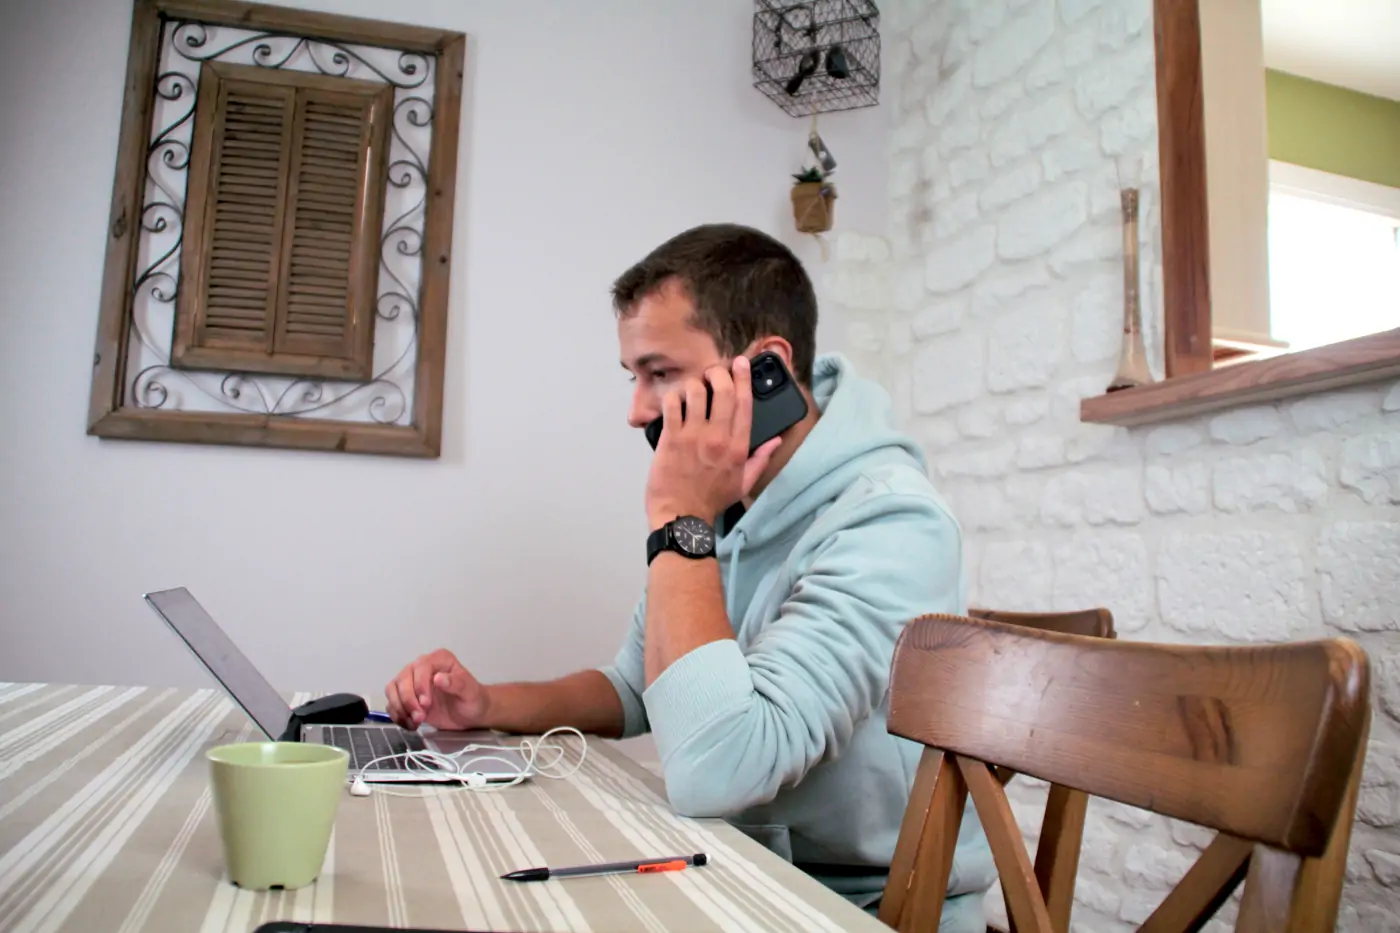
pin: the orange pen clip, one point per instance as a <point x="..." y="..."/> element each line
<point x="677" y="865"/>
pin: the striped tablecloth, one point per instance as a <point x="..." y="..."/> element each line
<point x="106" y="824"/>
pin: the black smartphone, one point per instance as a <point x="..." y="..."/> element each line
<point x="294" y="926"/>
<point x="778" y="403"/>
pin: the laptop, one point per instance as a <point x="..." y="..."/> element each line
<point x="365" y="742"/>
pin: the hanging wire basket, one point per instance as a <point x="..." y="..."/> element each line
<point x="817" y="56"/>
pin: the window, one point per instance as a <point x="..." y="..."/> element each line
<point x="282" y="236"/>
<point x="1334" y="257"/>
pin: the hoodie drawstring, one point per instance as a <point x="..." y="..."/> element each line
<point x="739" y="539"/>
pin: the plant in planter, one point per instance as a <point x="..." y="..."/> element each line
<point x="813" y="201"/>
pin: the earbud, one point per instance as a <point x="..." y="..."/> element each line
<point x="475" y="779"/>
<point x="358" y="787"/>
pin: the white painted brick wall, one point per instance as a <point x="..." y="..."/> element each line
<point x="993" y="305"/>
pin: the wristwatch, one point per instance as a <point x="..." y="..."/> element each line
<point x="688" y="536"/>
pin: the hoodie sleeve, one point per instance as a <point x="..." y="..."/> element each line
<point x="627" y="674"/>
<point x="764" y="716"/>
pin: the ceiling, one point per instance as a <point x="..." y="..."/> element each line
<point x="1352" y="43"/>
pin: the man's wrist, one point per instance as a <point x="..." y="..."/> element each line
<point x="668" y="513"/>
<point x="488" y="704"/>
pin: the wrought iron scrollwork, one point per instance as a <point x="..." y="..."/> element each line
<point x="406" y="238"/>
<point x="174" y="153"/>
<point x="385" y="401"/>
<point x="191" y="40"/>
<point x="382" y="398"/>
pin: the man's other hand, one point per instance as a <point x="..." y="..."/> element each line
<point x="438" y="691"/>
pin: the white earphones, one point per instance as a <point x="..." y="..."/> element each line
<point x="451" y="765"/>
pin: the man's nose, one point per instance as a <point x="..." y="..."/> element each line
<point x="644" y="409"/>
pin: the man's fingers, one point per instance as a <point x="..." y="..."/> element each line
<point x="722" y="408"/>
<point x="743" y="403"/>
<point x="670" y="414"/>
<point x="695" y="403"/>
<point x="410" y="714"/>
<point x="423" y="683"/>
<point x="408" y="695"/>
<point x="392" y="705"/>
<point x="453" y="682"/>
<point x="756" y="464"/>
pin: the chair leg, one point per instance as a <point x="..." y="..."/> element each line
<point x="1270" y="891"/>
<point x="1057" y="858"/>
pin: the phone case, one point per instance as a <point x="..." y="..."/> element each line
<point x="296" y="926"/>
<point x="778" y="403"/>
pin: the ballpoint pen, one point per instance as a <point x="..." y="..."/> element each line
<point x="641" y="866"/>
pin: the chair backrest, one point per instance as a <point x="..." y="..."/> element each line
<point x="1062" y="822"/>
<point x="1256" y="742"/>
<point x="1097" y="623"/>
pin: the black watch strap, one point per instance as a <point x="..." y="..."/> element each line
<point x="658" y="541"/>
<point x="664" y="538"/>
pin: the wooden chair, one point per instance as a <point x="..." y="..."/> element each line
<point x="1261" y="743"/>
<point x="1095" y="623"/>
<point x="1062" y="825"/>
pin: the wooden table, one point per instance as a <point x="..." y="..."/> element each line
<point x="106" y="824"/>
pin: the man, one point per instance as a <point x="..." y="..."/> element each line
<point x="761" y="668"/>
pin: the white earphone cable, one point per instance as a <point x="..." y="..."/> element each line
<point x="462" y="766"/>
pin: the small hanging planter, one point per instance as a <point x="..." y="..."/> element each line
<point x="813" y="202"/>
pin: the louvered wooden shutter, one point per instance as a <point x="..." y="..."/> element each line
<point x="248" y="199"/>
<point x="321" y="230"/>
<point x="281" y="244"/>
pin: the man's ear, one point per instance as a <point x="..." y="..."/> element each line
<point x="774" y="344"/>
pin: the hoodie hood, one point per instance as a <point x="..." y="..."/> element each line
<point x="855" y="432"/>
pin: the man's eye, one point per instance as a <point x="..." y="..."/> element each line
<point x="659" y="375"/>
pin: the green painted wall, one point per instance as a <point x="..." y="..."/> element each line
<point x="1333" y="129"/>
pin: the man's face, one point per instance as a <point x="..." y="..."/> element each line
<point x="660" y="348"/>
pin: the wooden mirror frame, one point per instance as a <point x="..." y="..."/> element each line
<point x="1191" y="385"/>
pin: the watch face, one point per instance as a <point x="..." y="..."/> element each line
<point x="692" y="535"/>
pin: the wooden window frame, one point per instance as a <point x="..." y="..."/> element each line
<point x="1191" y="385"/>
<point x="107" y="415"/>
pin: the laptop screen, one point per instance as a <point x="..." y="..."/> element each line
<point x="229" y="665"/>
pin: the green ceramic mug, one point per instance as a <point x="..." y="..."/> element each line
<point x="276" y="804"/>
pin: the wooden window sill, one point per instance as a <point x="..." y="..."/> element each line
<point x="1364" y="359"/>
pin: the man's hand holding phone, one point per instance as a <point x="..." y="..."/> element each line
<point x="702" y="464"/>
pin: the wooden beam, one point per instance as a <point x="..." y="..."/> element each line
<point x="1182" y="160"/>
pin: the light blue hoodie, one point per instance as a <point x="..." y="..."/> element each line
<point x="782" y="731"/>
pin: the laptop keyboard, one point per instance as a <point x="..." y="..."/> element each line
<point x="366" y="743"/>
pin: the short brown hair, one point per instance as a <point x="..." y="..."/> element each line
<point x="745" y="285"/>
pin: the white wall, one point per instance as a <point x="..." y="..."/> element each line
<point x="994" y="305"/>
<point x="590" y="132"/>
